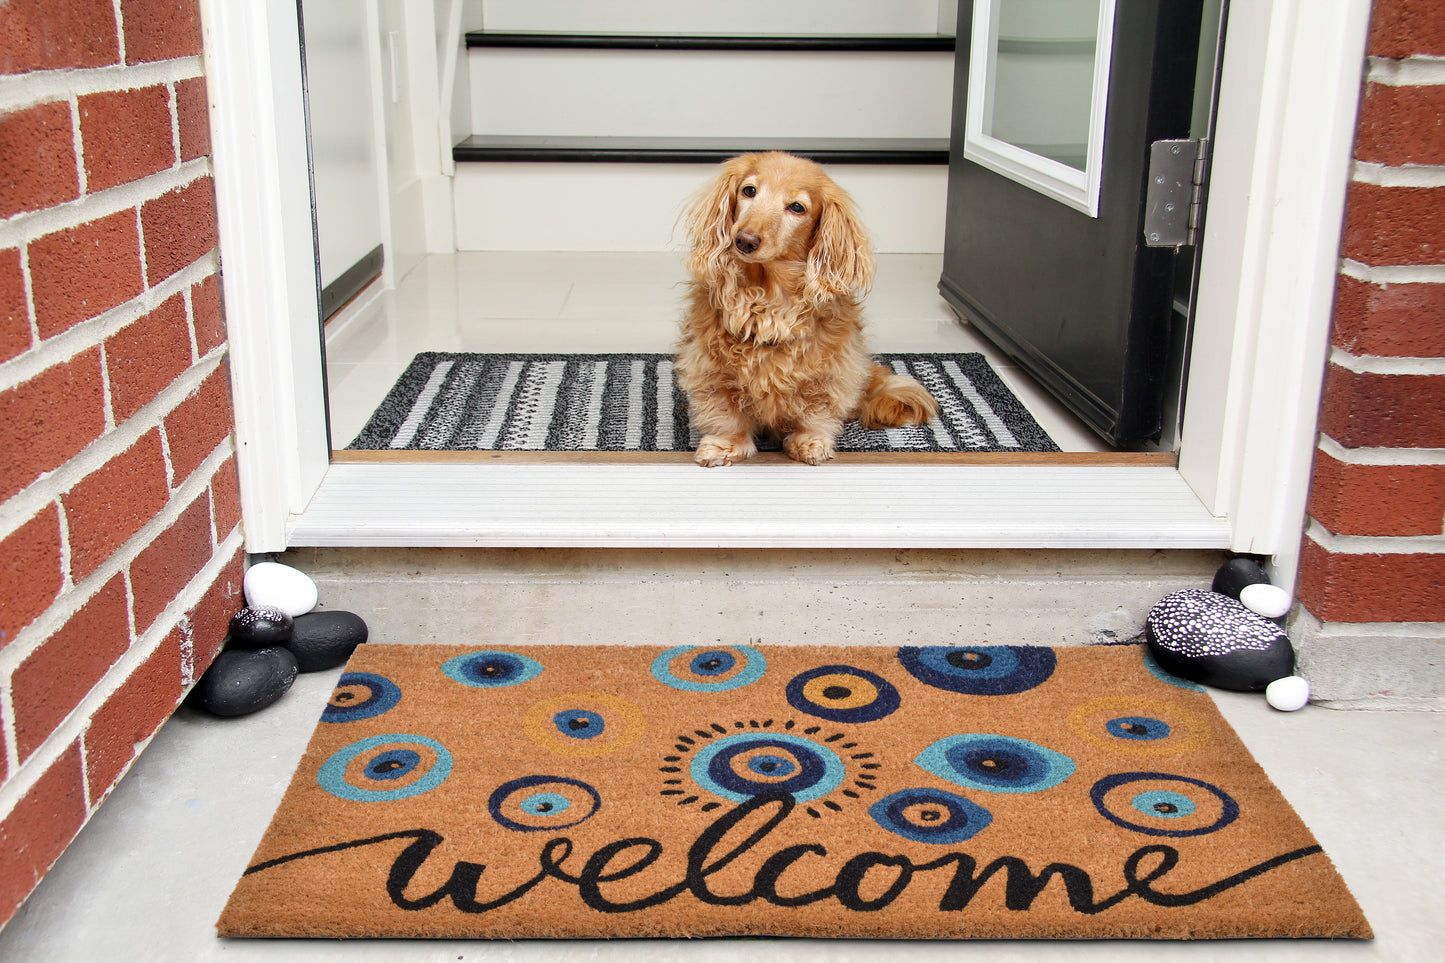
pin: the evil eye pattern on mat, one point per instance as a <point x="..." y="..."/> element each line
<point x="961" y="791"/>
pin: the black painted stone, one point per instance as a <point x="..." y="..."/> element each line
<point x="259" y="627"/>
<point x="242" y="681"/>
<point x="1235" y="574"/>
<point x="1210" y="638"/>
<point x="324" y="640"/>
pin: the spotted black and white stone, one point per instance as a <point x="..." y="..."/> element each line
<point x="259" y="626"/>
<point x="1213" y="639"/>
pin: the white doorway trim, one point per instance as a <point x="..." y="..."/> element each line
<point x="1269" y="266"/>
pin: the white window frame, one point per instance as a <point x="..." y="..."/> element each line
<point x="1281" y="164"/>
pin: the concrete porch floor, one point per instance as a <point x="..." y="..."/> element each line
<point x="148" y="876"/>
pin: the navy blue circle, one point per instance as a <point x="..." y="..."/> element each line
<point x="393" y="764"/>
<point x="579" y="723"/>
<point x="506" y="789"/>
<point x="955" y="818"/>
<point x="380" y="694"/>
<point x="1138" y="728"/>
<point x="1229" y="808"/>
<point x="811" y="767"/>
<point x="997" y="765"/>
<point x="712" y="662"/>
<point x="979" y="669"/>
<point x="884" y="704"/>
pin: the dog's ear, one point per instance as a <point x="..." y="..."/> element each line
<point x="709" y="219"/>
<point x="841" y="259"/>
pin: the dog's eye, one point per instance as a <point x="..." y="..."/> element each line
<point x="750" y="191"/>
<point x="797" y="208"/>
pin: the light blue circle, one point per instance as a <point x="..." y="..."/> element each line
<point x="752" y="671"/>
<point x="537" y="805"/>
<point x="1146" y="801"/>
<point x="332" y="776"/>
<point x="833" y="771"/>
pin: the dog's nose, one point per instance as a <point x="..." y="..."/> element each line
<point x="747" y="242"/>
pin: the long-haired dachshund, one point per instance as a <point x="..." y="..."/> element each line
<point x="772" y="338"/>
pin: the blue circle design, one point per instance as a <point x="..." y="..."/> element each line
<point x="995" y="763"/>
<point x="1138" y="728"/>
<point x="394" y="762"/>
<point x="544" y="805"/>
<point x="709" y="667"/>
<point x="713" y="662"/>
<point x="491" y="670"/>
<point x="884" y="703"/>
<point x="360" y="695"/>
<point x="927" y="815"/>
<point x="1229" y="809"/>
<point x="1163" y="804"/>
<point x="799" y="766"/>
<point x="579" y="723"/>
<point x="981" y="669"/>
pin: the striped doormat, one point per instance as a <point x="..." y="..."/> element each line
<point x="629" y="402"/>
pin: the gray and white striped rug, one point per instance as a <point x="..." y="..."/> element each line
<point x="628" y="402"/>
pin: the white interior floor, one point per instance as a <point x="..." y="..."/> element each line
<point x="149" y="875"/>
<point x="595" y="302"/>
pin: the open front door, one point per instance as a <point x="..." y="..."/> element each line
<point x="1056" y="106"/>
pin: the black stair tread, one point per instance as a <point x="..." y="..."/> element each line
<point x="702" y="41"/>
<point x="698" y="150"/>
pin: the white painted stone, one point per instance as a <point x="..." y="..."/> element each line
<point x="1271" y="601"/>
<point x="1288" y="694"/>
<point x="279" y="586"/>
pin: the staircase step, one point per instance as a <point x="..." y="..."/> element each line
<point x="696" y="150"/>
<point x="792" y="42"/>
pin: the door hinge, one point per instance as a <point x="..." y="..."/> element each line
<point x="1174" y="201"/>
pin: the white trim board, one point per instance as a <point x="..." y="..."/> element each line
<point x="757" y="506"/>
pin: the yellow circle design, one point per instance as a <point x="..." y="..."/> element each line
<point x="861" y="692"/>
<point x="1187" y="731"/>
<point x="623" y="721"/>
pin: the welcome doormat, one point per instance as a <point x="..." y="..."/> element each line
<point x="629" y="402"/>
<point x="621" y="791"/>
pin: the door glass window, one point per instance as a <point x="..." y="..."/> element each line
<point x="1037" y="91"/>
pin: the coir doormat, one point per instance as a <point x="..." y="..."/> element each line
<point x="609" y="791"/>
<point x="629" y="402"/>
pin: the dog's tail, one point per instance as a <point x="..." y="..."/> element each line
<point x="892" y="401"/>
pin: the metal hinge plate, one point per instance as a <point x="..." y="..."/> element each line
<point x="1174" y="202"/>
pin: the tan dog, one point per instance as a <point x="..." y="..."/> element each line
<point x="772" y="339"/>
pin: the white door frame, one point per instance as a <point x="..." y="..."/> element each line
<point x="1291" y="80"/>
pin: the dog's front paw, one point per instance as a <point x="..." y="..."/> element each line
<point x="714" y="451"/>
<point x="808" y="447"/>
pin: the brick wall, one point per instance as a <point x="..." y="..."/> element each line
<point x="120" y="545"/>
<point x="1373" y="552"/>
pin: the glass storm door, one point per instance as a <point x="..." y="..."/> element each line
<point x="1056" y="106"/>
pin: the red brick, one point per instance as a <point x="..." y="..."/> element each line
<point x="39" y="828"/>
<point x="1406" y="28"/>
<point x="168" y="564"/>
<point x="131" y="715"/>
<point x="226" y="498"/>
<point x="146" y="355"/>
<point x="57" y="676"/>
<point x="179" y="228"/>
<point x="113" y="502"/>
<point x="1401" y="125"/>
<point x="193" y="116"/>
<point x="125" y="135"/>
<point x="1377" y="499"/>
<point x="30" y="571"/>
<point x="199" y="423"/>
<point x="1371" y="588"/>
<point x="210" y="618"/>
<point x="46" y="35"/>
<point x="46" y="421"/>
<point x="79" y="273"/>
<point x="1390" y="320"/>
<point x="1364" y="410"/>
<point x="37" y="159"/>
<point x="208" y="316"/>
<point x="161" y="29"/>
<point x="1394" y="225"/>
<point x="15" y="336"/>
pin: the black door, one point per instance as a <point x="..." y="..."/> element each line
<point x="1061" y="279"/>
